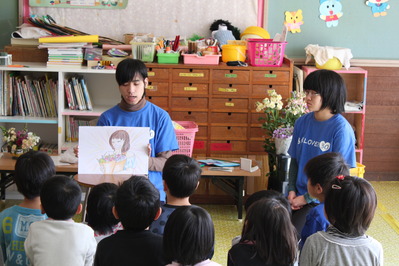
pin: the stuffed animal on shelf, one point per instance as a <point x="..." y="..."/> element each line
<point x="234" y="30"/>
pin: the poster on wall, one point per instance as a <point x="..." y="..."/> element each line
<point x="113" y="150"/>
<point x="330" y="12"/>
<point x="103" y="4"/>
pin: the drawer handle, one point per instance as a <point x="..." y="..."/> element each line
<point x="193" y="75"/>
<point x="152" y="88"/>
<point x="190" y="88"/>
<point x="227" y="90"/>
<point x="151" y="74"/>
<point x="230" y="75"/>
<point x="228" y="128"/>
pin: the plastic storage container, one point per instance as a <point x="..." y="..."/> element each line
<point x="265" y="52"/>
<point x="201" y="60"/>
<point x="168" y="58"/>
<point x="358" y="171"/>
<point x="185" y="137"/>
<point x="233" y="52"/>
<point x="143" y="51"/>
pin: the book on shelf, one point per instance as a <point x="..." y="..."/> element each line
<point x="23" y="95"/>
<point x="219" y="163"/>
<point x="72" y="126"/>
<point x="25" y="42"/>
<point x="77" y="94"/>
<point x="51" y="149"/>
<point x="86" y="94"/>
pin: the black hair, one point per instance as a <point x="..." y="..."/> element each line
<point x="32" y="169"/>
<point x="324" y="168"/>
<point x="181" y="173"/>
<point x="215" y="26"/>
<point x="60" y="197"/>
<point x="121" y="134"/>
<point x="189" y="235"/>
<point x="331" y="87"/>
<point x="128" y="69"/>
<point x="267" y="194"/>
<point x="350" y="205"/>
<point x="137" y="203"/>
<point x="100" y="202"/>
<point x="268" y="226"/>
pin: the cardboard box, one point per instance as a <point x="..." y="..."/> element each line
<point x="27" y="54"/>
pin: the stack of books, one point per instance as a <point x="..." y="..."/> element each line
<point x="67" y="50"/>
<point x="73" y="124"/>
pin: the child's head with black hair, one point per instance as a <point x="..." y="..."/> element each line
<point x="330" y="86"/>
<point x="32" y="169"/>
<point x="268" y="227"/>
<point x="181" y="175"/>
<point x="189" y="236"/>
<point x="321" y="170"/>
<point x="267" y="194"/>
<point x="61" y="197"/>
<point x="137" y="203"/>
<point x="100" y="202"/>
<point x="350" y="205"/>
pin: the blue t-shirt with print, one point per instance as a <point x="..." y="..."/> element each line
<point x="15" y="222"/>
<point x="162" y="133"/>
<point x="312" y="138"/>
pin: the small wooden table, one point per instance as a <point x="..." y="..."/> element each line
<point x="230" y="182"/>
<point x="7" y="167"/>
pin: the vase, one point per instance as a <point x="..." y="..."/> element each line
<point x="282" y="145"/>
<point x="16" y="153"/>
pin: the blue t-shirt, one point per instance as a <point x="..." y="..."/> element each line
<point x="15" y="222"/>
<point x="312" y="138"/>
<point x="315" y="221"/>
<point x="162" y="138"/>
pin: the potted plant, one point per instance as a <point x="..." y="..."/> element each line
<point x="278" y="122"/>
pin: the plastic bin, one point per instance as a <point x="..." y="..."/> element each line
<point x="168" y="58"/>
<point x="358" y="171"/>
<point x="143" y="51"/>
<point x="233" y="52"/>
<point x="265" y="52"/>
<point x="185" y="137"/>
<point x="201" y="60"/>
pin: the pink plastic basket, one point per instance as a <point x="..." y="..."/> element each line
<point x="201" y="60"/>
<point x="265" y="52"/>
<point x="185" y="137"/>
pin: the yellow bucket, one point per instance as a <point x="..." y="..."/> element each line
<point x="233" y="52"/>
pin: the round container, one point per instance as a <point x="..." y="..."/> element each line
<point x="255" y="32"/>
<point x="233" y="53"/>
<point x="332" y="64"/>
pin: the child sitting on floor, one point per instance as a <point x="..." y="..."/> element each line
<point x="32" y="169"/>
<point x="268" y="236"/>
<point x="100" y="202"/>
<point x="137" y="204"/>
<point x="350" y="205"/>
<point x="263" y="194"/>
<point x="181" y="176"/>
<point x="59" y="240"/>
<point x="321" y="170"/>
<point x="189" y="237"/>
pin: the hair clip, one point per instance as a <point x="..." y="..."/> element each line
<point x="334" y="186"/>
<point x="340" y="177"/>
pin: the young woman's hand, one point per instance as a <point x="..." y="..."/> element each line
<point x="149" y="149"/>
<point x="76" y="151"/>
<point x="298" y="202"/>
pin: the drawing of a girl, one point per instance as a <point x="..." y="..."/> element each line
<point x="119" y="159"/>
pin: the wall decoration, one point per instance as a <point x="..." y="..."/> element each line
<point x="293" y="20"/>
<point x="104" y="4"/>
<point x="330" y="12"/>
<point x="378" y="7"/>
<point x="113" y="150"/>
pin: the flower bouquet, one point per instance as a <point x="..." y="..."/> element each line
<point x="279" y="121"/>
<point x="19" y="142"/>
<point x="112" y="163"/>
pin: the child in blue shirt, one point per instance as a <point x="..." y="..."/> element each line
<point x="32" y="169"/>
<point x="321" y="170"/>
